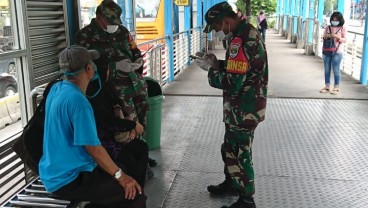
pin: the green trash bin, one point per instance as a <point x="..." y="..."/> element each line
<point x="154" y="113"/>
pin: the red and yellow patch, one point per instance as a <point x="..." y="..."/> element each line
<point x="237" y="63"/>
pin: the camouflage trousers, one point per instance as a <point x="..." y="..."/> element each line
<point x="236" y="153"/>
<point x="133" y="97"/>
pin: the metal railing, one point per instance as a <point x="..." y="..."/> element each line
<point x="156" y="59"/>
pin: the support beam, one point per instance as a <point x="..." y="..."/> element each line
<point x="309" y="45"/>
<point x="321" y="5"/>
<point x="187" y="27"/>
<point x="286" y="13"/>
<point x="169" y="32"/>
<point x="291" y="18"/>
<point x="363" y="71"/>
<point x="200" y="20"/>
<point x="341" y="6"/>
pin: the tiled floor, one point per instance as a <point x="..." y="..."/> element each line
<point x="311" y="152"/>
<point x="308" y="153"/>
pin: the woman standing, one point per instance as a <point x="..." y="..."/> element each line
<point x="262" y="25"/>
<point x="337" y="31"/>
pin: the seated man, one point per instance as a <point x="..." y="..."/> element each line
<point x="130" y="152"/>
<point x="74" y="165"/>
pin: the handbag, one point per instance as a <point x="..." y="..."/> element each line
<point x="29" y="145"/>
<point x="329" y="48"/>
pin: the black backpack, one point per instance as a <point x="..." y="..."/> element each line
<point x="29" y="146"/>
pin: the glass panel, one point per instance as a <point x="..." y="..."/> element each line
<point x="10" y="110"/>
<point x="88" y="10"/>
<point x="127" y="15"/>
<point x="146" y="10"/>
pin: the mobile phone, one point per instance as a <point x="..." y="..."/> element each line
<point x="195" y="57"/>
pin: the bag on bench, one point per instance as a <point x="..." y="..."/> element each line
<point x="29" y="146"/>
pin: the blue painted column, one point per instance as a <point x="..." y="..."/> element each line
<point x="304" y="6"/>
<point x="341" y="6"/>
<point x="311" y="19"/>
<point x="187" y="19"/>
<point x="305" y="9"/>
<point x="297" y="14"/>
<point x="363" y="71"/>
<point x="321" y="5"/>
<point x="169" y="32"/>
<point x="292" y="14"/>
<point x="209" y="4"/>
<point x="286" y="13"/>
<point x="200" y="21"/>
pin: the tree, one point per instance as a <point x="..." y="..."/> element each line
<point x="330" y="7"/>
<point x="253" y="7"/>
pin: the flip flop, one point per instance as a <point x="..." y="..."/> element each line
<point x="335" y="91"/>
<point x="324" y="90"/>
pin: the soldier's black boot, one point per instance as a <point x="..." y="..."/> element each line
<point x="222" y="188"/>
<point x="243" y="203"/>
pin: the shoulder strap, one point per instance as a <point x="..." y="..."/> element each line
<point x="48" y="87"/>
<point x="41" y="105"/>
<point x="338" y="30"/>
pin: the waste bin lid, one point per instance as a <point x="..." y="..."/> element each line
<point x="153" y="87"/>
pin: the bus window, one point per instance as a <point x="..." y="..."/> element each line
<point x="146" y="10"/>
<point x="150" y="19"/>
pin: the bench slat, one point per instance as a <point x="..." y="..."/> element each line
<point x="30" y="198"/>
<point x="33" y="204"/>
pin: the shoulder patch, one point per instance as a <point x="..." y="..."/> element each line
<point x="237" y="62"/>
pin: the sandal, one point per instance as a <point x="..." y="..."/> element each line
<point x="335" y="91"/>
<point x="324" y="90"/>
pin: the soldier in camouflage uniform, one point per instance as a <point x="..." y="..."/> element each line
<point x="243" y="77"/>
<point x="106" y="35"/>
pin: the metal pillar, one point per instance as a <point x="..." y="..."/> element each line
<point x="321" y="5"/>
<point x="291" y="20"/>
<point x="296" y="14"/>
<point x="286" y="13"/>
<point x="309" y="45"/>
<point x="187" y="27"/>
<point x="363" y="71"/>
<point x="169" y="32"/>
<point x="200" y="21"/>
<point x="341" y="6"/>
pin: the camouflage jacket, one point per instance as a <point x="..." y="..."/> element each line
<point x="117" y="46"/>
<point x="243" y="78"/>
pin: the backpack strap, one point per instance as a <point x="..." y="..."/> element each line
<point x="338" y="30"/>
<point x="48" y="87"/>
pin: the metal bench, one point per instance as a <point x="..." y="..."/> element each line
<point x="20" y="187"/>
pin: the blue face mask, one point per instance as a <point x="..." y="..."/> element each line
<point x="335" y="23"/>
<point x="95" y="76"/>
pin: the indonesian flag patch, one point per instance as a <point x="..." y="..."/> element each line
<point x="237" y="63"/>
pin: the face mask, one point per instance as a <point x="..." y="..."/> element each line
<point x="335" y="23"/>
<point x="112" y="28"/>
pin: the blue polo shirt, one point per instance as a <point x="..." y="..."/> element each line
<point x="69" y="126"/>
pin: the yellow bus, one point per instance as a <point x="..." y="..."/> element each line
<point x="149" y="19"/>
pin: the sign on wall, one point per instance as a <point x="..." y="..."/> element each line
<point x="182" y="2"/>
